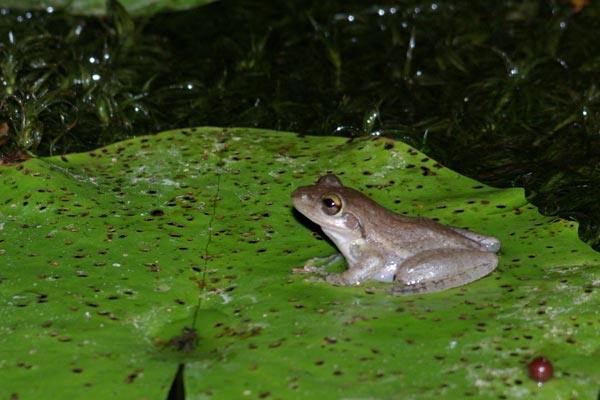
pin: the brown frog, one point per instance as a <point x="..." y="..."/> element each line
<point x="419" y="254"/>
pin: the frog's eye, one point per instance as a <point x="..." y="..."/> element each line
<point x="331" y="204"/>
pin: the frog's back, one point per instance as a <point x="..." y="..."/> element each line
<point x="416" y="232"/>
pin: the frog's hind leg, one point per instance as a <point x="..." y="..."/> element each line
<point x="441" y="269"/>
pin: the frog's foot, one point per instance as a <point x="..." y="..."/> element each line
<point x="303" y="270"/>
<point x="315" y="279"/>
<point x="333" y="278"/>
<point x="311" y="268"/>
<point x="489" y="243"/>
<point x="336" y="279"/>
<point x="322" y="276"/>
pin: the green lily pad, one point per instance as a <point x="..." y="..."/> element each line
<point x="98" y="7"/>
<point x="107" y="257"/>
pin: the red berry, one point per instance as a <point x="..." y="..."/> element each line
<point x="540" y="370"/>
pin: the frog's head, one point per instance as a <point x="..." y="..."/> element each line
<point x="333" y="206"/>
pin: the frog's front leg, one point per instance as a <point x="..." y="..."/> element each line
<point x="363" y="270"/>
<point x="441" y="269"/>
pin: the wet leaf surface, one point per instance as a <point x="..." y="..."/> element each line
<point x="119" y="264"/>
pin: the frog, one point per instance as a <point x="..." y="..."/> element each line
<point x="414" y="253"/>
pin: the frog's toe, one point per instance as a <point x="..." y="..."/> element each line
<point x="308" y="269"/>
<point x="336" y="279"/>
<point x="301" y="270"/>
<point x="315" y="279"/>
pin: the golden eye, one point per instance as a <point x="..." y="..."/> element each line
<point x="331" y="204"/>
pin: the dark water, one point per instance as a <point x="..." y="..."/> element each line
<point x="505" y="92"/>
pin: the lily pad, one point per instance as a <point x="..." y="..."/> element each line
<point x="107" y="257"/>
